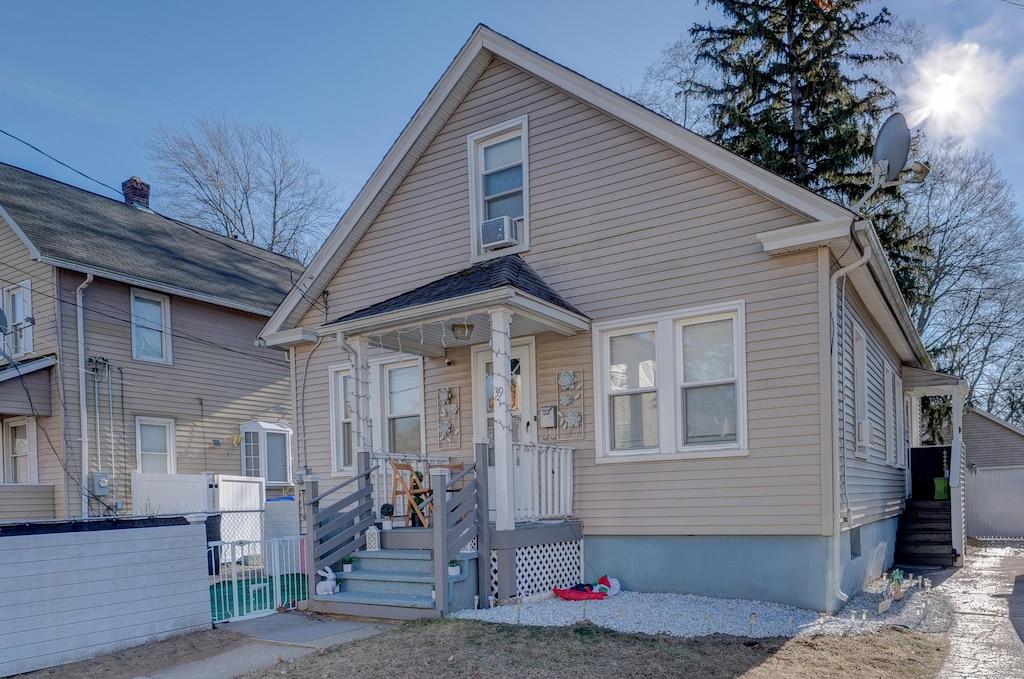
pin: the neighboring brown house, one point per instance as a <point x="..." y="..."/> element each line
<point x="699" y="364"/>
<point x="163" y="370"/>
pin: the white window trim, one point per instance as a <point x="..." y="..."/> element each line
<point x="168" y="424"/>
<point x="25" y="289"/>
<point x="379" y="394"/>
<point x="263" y="428"/>
<point x="476" y="143"/>
<point x="336" y="372"/>
<point x="891" y="444"/>
<point x="33" y="458"/>
<point x="901" y="425"/>
<point x="165" y="309"/>
<point x="667" y="358"/>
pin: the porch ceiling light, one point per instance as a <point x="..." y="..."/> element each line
<point x="462" y="331"/>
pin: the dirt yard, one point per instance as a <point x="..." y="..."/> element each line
<point x="463" y="648"/>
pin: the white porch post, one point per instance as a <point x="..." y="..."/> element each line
<point x="504" y="459"/>
<point x="358" y="348"/>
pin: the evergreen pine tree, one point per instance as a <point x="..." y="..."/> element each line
<point x="795" y="94"/>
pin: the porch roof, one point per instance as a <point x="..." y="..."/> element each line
<point x="466" y="296"/>
<point x="920" y="382"/>
<point x="25" y="387"/>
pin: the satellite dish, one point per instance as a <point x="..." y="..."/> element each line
<point x="892" y="147"/>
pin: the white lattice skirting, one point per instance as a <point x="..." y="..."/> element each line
<point x="541" y="568"/>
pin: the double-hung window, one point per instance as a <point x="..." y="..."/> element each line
<point x="151" y="327"/>
<point x="16" y="304"/>
<point x="403" y="406"/>
<point x="343" y="413"/>
<point x="19" y="451"/>
<point x="154" y="438"/>
<point x="672" y="385"/>
<point x="499" y="187"/>
<point x="266" y="452"/>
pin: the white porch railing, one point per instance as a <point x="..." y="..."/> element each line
<point x="543" y="481"/>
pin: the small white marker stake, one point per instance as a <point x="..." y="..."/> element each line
<point x="519" y="610"/>
<point x="476" y="602"/>
<point x="753" y="617"/>
<point x="584" y="609"/>
<point x="863" y="616"/>
<point x="789" y="623"/>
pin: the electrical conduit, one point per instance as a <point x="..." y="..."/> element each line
<point x="82" y="406"/>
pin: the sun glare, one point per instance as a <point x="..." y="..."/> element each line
<point x="955" y="89"/>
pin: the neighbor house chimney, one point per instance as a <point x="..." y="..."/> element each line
<point x="136" y="192"/>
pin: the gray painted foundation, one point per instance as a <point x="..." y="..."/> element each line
<point x="790" y="570"/>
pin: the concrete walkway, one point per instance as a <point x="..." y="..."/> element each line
<point x="987" y="595"/>
<point x="273" y="638"/>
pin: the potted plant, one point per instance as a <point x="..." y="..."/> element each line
<point x="453" y="567"/>
<point x="346" y="563"/>
<point x="896" y="582"/>
<point x="387" y="514"/>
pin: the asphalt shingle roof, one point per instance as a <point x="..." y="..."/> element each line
<point x="91" y="232"/>
<point x="507" y="271"/>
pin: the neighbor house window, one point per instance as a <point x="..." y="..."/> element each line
<point x="154" y="439"/>
<point x="404" y="404"/>
<point x="672" y="384"/>
<point x="343" y="413"/>
<point x="266" y="452"/>
<point x="19" y="451"/>
<point x="16" y="303"/>
<point x="151" y="327"/>
<point x="499" y="184"/>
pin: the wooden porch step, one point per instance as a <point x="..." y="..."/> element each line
<point x="926" y="538"/>
<point x="381" y="599"/>
<point x="909" y="560"/>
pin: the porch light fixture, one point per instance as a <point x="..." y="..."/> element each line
<point x="462" y="331"/>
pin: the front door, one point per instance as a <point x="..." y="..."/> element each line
<point x="523" y="411"/>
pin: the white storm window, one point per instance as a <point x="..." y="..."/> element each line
<point x="632" y="390"/>
<point x="672" y="385"/>
<point x="16" y="304"/>
<point x="404" y="404"/>
<point x="709" y="407"/>
<point x="151" y="327"/>
<point x="154" y="439"/>
<point x="266" y="452"/>
<point x="499" y="187"/>
<point x="19" y="451"/>
<point x="343" y="409"/>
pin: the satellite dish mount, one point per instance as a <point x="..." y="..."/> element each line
<point x="889" y="157"/>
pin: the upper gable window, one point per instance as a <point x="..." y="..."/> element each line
<point x="499" y="189"/>
<point x="151" y="327"/>
<point x="16" y="303"/>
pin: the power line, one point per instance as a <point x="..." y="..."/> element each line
<point x="59" y="162"/>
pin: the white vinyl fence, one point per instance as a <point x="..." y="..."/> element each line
<point x="995" y="502"/>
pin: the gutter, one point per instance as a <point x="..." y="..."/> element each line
<point x="837" y="447"/>
<point x="83" y="408"/>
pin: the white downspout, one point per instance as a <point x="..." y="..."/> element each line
<point x="82" y="406"/>
<point x="837" y="584"/>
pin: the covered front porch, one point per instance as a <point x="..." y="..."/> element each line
<point x="503" y="503"/>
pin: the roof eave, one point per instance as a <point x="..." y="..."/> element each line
<point x="158" y="287"/>
<point x="33" y="251"/>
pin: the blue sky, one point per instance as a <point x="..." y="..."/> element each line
<point x="88" y="81"/>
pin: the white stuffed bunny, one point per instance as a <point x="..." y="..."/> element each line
<point x="328" y="586"/>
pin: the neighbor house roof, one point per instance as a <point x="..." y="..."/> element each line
<point x="509" y="271"/>
<point x="74" y="229"/>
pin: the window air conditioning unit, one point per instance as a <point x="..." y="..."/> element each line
<point x="500" y="232"/>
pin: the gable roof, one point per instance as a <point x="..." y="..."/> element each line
<point x="484" y="45"/>
<point x="510" y="271"/>
<point x="74" y="229"/>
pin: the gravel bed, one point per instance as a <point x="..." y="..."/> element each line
<point x="687" y="615"/>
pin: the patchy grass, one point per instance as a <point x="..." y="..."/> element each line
<point x="471" y="649"/>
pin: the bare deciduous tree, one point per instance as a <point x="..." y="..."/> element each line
<point x="669" y="86"/>
<point x="970" y="314"/>
<point x="244" y="181"/>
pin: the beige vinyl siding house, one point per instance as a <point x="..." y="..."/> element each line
<point x="684" y="291"/>
<point x="166" y="358"/>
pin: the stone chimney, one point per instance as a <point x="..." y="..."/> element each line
<point x="136" y="192"/>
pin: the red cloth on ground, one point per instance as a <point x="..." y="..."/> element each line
<point x="577" y="595"/>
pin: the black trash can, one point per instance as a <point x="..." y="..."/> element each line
<point x="213" y="535"/>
